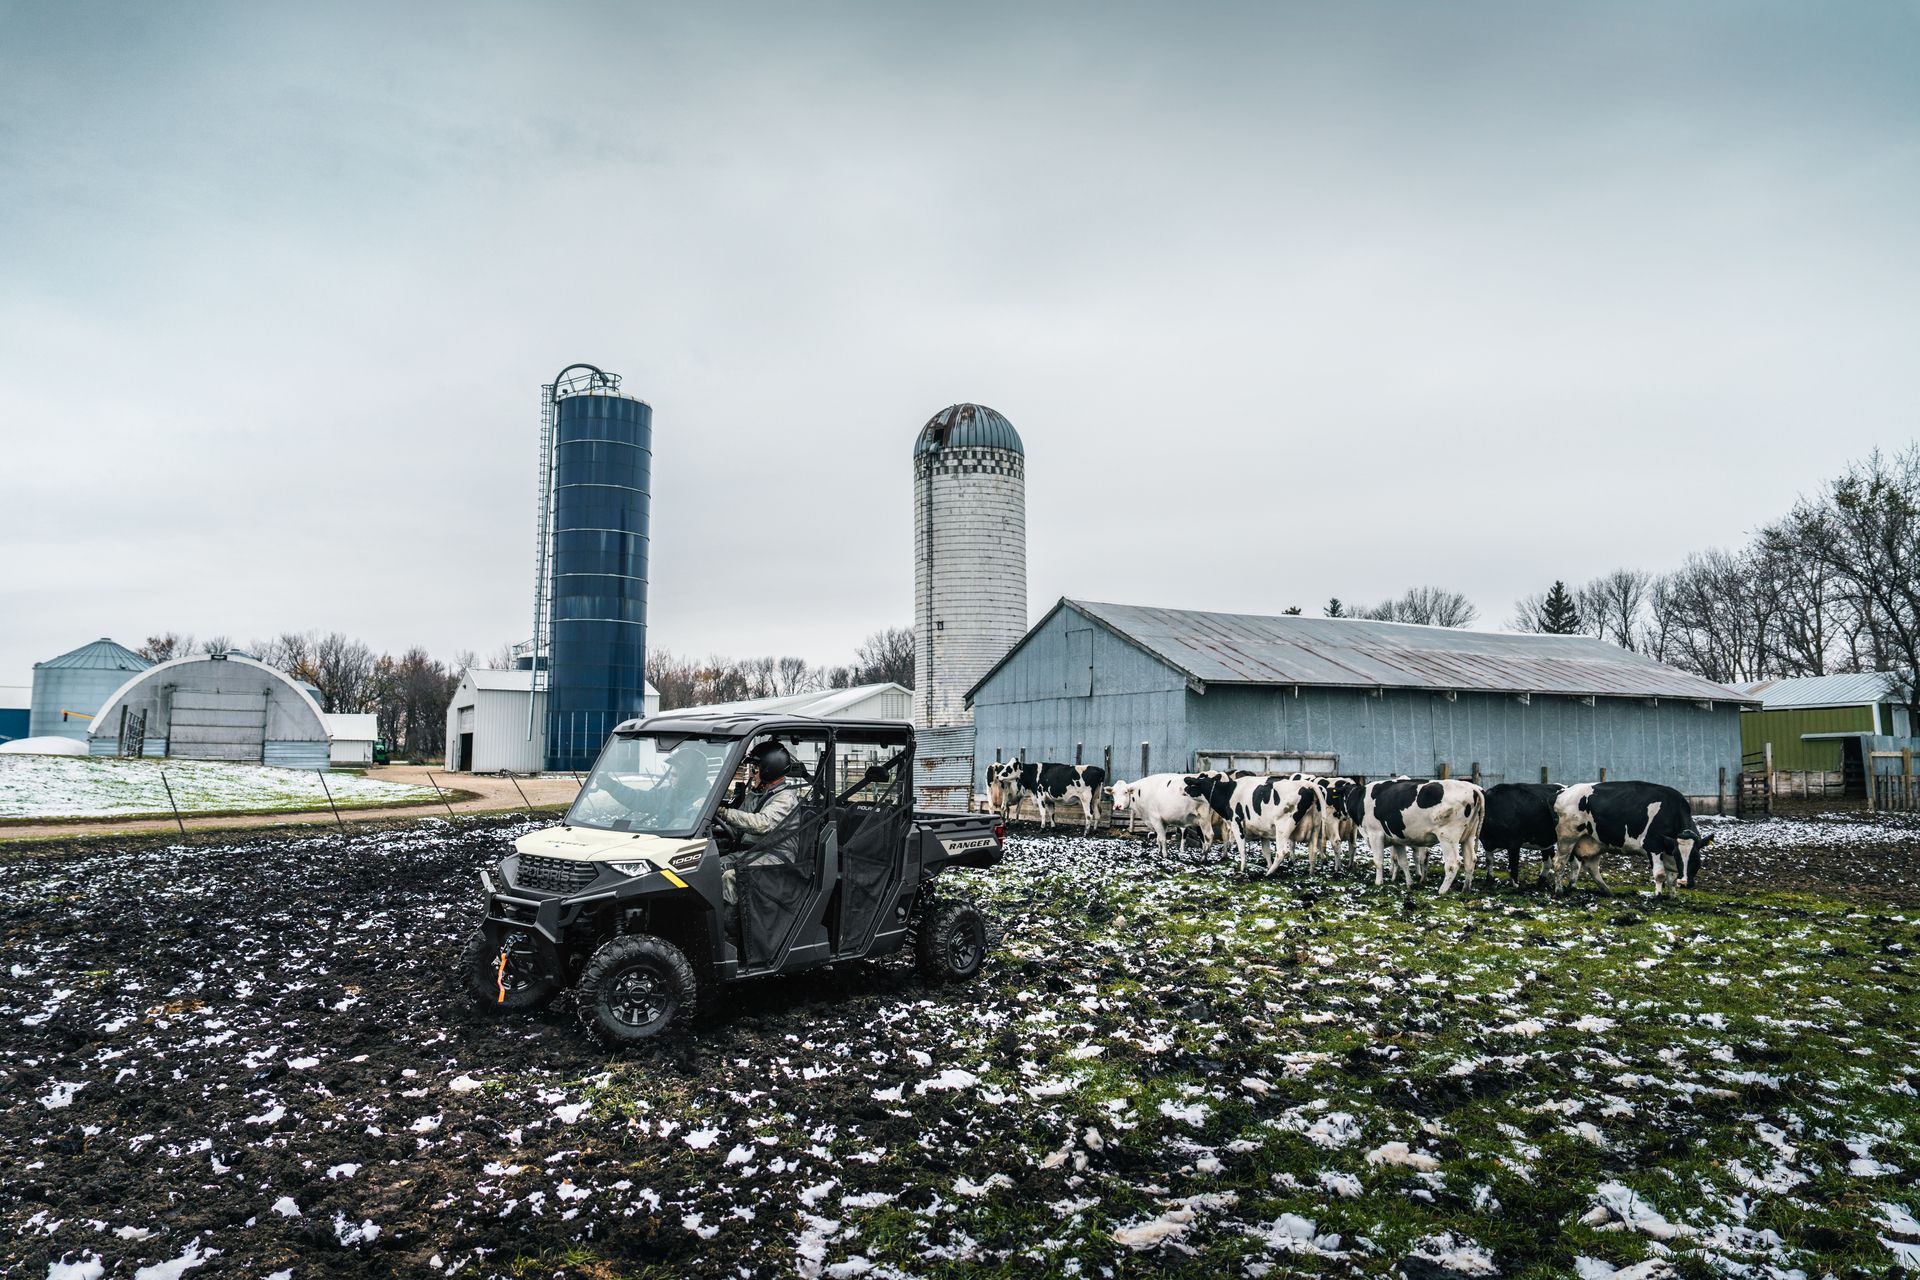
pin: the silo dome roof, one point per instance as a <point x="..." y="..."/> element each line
<point x="102" y="655"/>
<point x="968" y="426"/>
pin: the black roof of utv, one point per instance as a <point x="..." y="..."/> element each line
<point x="745" y="724"/>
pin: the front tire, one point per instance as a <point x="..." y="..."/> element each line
<point x="634" y="988"/>
<point x="518" y="987"/>
<point x="952" y="942"/>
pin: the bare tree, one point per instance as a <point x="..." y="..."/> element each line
<point x="504" y="659"/>
<point x="343" y="672"/>
<point x="166" y="646"/>
<point x="792" y="675"/>
<point x="1612" y="605"/>
<point x="1864" y="529"/>
<point x="1428" y="606"/>
<point x="216" y="644"/>
<point x="885" y="657"/>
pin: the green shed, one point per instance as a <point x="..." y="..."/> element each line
<point x="1811" y="720"/>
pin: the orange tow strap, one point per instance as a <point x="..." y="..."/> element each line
<point x="500" y="976"/>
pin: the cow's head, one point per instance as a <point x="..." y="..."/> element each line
<point x="1122" y="794"/>
<point x="1690" y="846"/>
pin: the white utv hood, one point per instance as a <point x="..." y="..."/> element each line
<point x="587" y="844"/>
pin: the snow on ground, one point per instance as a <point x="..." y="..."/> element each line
<point x="1294" y="1077"/>
<point x="34" y="786"/>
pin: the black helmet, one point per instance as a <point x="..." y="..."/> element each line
<point x="773" y="761"/>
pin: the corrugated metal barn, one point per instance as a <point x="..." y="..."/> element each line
<point x="218" y="706"/>
<point x="1170" y="690"/>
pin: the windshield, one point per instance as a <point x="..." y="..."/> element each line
<point x="654" y="784"/>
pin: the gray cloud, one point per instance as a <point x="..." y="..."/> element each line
<point x="1482" y="296"/>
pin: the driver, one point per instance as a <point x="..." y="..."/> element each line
<point x="771" y="797"/>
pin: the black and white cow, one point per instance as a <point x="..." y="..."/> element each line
<point x="1408" y="814"/>
<point x="1633" y="817"/>
<point x="1163" y="801"/>
<point x="1336" y="827"/>
<point x="1283" y="810"/>
<point x="1048" y="784"/>
<point x="1520" y="816"/>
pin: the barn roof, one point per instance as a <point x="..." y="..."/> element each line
<point x="1853" y="689"/>
<point x="1253" y="649"/>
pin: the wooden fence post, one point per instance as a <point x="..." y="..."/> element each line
<point x="1722" y="808"/>
<point x="1476" y="773"/>
<point x="1766" y="752"/>
<point x="1603" y="773"/>
<point x="1446" y="771"/>
<point x="1543" y="774"/>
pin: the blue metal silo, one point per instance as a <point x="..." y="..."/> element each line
<point x="601" y="459"/>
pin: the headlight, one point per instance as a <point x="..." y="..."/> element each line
<point x="634" y="868"/>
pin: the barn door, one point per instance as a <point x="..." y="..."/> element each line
<point x="211" y="725"/>
<point x="1079" y="671"/>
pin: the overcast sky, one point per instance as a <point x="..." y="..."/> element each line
<point x="1285" y="301"/>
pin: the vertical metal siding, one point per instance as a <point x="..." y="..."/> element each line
<point x="500" y="732"/>
<point x="943" y="769"/>
<point x="1784" y="727"/>
<point x="304" y="754"/>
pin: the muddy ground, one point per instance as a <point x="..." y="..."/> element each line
<point x="251" y="1057"/>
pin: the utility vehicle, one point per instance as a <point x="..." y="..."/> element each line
<point x="627" y="902"/>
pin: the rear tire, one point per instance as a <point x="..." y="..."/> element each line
<point x="951" y="944"/>
<point x="525" y="989"/>
<point x="634" y="988"/>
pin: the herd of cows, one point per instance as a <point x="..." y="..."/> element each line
<point x="1576" y="825"/>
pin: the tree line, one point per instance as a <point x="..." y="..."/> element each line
<point x="684" y="681"/>
<point x="1832" y="586"/>
<point x="410" y="693"/>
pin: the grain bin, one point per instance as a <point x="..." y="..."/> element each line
<point x="601" y="465"/>
<point x="70" y="688"/>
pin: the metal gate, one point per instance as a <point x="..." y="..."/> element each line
<point x="1268" y="761"/>
<point x="206" y="724"/>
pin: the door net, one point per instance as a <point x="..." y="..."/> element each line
<point x="774" y="881"/>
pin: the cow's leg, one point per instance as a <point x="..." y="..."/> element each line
<point x="1470" y="854"/>
<point x="1562" y="858"/>
<point x="1592" y="867"/>
<point x="1159" y="828"/>
<point x="1379" y="857"/>
<point x="1513" y="863"/>
<point x="1450" y="859"/>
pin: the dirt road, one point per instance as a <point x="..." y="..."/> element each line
<point x="487" y="795"/>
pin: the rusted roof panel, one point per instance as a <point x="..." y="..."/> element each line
<point x="1238" y="648"/>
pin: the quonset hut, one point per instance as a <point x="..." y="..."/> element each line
<point x="1164" y="690"/>
<point x="218" y="706"/>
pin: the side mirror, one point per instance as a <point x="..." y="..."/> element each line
<point x="875" y="774"/>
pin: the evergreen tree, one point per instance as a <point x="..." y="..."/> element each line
<point x="1335" y="609"/>
<point x="1558" y="616"/>
<point x="1293" y="611"/>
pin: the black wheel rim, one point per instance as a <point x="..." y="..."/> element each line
<point x="966" y="947"/>
<point x="638" y="997"/>
<point x="520" y="972"/>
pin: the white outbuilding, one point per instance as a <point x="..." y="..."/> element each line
<point x="352" y="737"/>
<point x="487" y="728"/>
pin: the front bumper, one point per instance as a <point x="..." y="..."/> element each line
<point x="549" y="917"/>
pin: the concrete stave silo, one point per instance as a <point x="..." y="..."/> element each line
<point x="596" y="598"/>
<point x="970" y="555"/>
